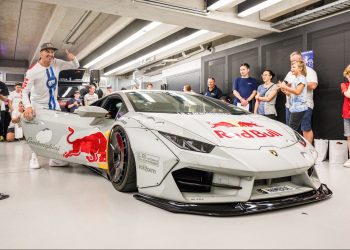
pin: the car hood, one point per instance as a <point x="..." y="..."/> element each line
<point x="236" y="131"/>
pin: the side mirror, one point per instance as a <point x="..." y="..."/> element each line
<point x="91" y="111"/>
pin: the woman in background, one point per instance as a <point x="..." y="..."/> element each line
<point x="266" y="96"/>
<point x="345" y="90"/>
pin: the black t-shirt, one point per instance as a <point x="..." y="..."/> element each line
<point x="3" y="89"/>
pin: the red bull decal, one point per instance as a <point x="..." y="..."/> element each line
<point x="247" y="134"/>
<point x="95" y="145"/>
<point x="233" y="124"/>
<point x="221" y="129"/>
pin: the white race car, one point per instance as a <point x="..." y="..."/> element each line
<point x="184" y="152"/>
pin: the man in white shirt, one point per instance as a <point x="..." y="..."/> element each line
<point x="15" y="97"/>
<point x="41" y="82"/>
<point x="312" y="83"/>
<point x="91" y="96"/>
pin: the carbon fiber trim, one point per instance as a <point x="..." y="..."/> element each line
<point x="239" y="208"/>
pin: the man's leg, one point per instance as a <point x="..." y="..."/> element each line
<point x="287" y="116"/>
<point x="295" y="120"/>
<point x="306" y="126"/>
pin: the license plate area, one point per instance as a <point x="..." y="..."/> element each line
<point x="275" y="189"/>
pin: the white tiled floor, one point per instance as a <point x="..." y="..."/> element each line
<point x="75" y="208"/>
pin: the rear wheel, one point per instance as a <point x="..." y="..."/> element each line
<point x="121" y="161"/>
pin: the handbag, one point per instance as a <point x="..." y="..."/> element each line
<point x="321" y="147"/>
<point x="338" y="151"/>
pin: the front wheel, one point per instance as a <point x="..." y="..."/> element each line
<point x="121" y="161"/>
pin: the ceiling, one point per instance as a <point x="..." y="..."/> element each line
<point x="164" y="32"/>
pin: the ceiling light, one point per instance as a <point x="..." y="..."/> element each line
<point x="219" y="4"/>
<point x="251" y="7"/>
<point x="158" y="51"/>
<point x="122" y="44"/>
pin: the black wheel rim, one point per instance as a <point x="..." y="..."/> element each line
<point x="119" y="157"/>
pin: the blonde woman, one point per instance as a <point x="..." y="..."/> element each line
<point x="266" y="96"/>
<point x="345" y="90"/>
<point x="297" y="92"/>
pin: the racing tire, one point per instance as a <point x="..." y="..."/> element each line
<point x="121" y="161"/>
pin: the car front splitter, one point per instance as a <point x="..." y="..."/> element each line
<point x="238" y="208"/>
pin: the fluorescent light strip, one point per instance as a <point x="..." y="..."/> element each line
<point x="158" y="51"/>
<point x="258" y="7"/>
<point x="122" y="44"/>
<point x="219" y="4"/>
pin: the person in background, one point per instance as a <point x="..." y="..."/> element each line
<point x="109" y="90"/>
<point x="91" y="96"/>
<point x="74" y="102"/>
<point x="15" y="97"/>
<point x="187" y="88"/>
<point x="14" y="125"/>
<point x="297" y="94"/>
<point x="212" y="90"/>
<point x="266" y="96"/>
<point x="244" y="88"/>
<point x="149" y="86"/>
<point x="312" y="83"/>
<point x="225" y="99"/>
<point x="345" y="90"/>
<point x="41" y="83"/>
<point x="4" y="115"/>
<point x="123" y="88"/>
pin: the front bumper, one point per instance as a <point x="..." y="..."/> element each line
<point x="238" y="208"/>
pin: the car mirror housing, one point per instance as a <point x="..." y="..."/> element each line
<point x="91" y="111"/>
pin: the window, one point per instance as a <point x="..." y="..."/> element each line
<point x="114" y="105"/>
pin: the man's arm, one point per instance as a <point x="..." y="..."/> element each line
<point x="72" y="62"/>
<point x="27" y="85"/>
<point x="252" y="95"/>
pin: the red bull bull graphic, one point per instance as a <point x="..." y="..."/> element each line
<point x="95" y="145"/>
<point x="233" y="124"/>
<point x="222" y="130"/>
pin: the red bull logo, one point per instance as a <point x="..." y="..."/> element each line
<point x="246" y="133"/>
<point x="95" y="145"/>
<point x="233" y="124"/>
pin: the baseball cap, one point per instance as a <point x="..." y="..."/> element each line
<point x="109" y="86"/>
<point x="48" y="46"/>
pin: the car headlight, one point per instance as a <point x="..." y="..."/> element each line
<point x="300" y="139"/>
<point x="188" y="144"/>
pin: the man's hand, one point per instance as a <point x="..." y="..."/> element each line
<point x="244" y="102"/>
<point x="70" y="56"/>
<point x="28" y="114"/>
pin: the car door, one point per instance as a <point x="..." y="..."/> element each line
<point x="71" y="137"/>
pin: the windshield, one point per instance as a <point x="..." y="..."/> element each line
<point x="179" y="102"/>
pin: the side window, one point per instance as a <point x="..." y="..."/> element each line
<point x="122" y="111"/>
<point x="113" y="105"/>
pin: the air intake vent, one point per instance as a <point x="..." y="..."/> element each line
<point x="193" y="181"/>
<point x="317" y="13"/>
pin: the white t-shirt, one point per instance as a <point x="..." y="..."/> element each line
<point x="16" y="98"/>
<point x="35" y="83"/>
<point x="88" y="99"/>
<point x="311" y="76"/>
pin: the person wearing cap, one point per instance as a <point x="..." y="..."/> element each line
<point x="75" y="102"/>
<point x="109" y="90"/>
<point x="41" y="83"/>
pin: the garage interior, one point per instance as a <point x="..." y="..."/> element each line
<point x="126" y="43"/>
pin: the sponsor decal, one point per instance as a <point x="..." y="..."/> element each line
<point x="223" y="129"/>
<point x="233" y="124"/>
<point x="94" y="145"/>
<point x="31" y="141"/>
<point x="147" y="169"/>
<point x="247" y="134"/>
<point x="148" y="159"/>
